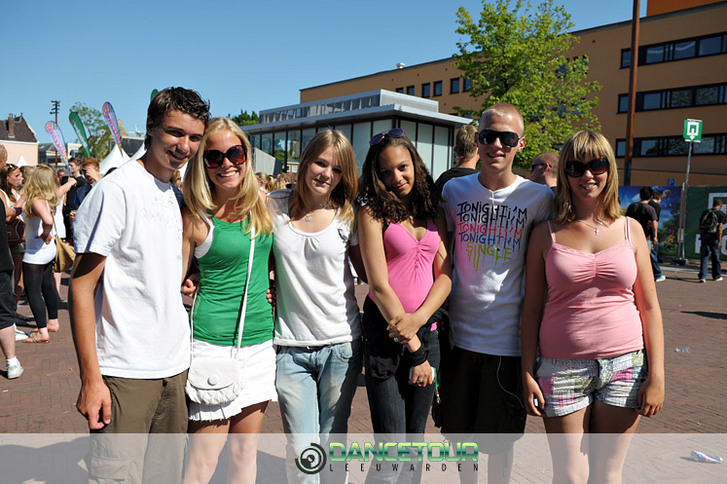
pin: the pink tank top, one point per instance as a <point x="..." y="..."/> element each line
<point x="409" y="263"/>
<point x="590" y="311"/>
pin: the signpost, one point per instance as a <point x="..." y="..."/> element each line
<point x="692" y="134"/>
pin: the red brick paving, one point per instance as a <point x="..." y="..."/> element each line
<point x="695" y="317"/>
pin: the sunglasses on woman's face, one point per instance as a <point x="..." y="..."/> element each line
<point x="214" y="158"/>
<point x="391" y="133"/>
<point x="507" y="138"/>
<point x="576" y="169"/>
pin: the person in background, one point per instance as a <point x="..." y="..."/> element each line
<point x="645" y="214"/>
<point x="317" y="329"/>
<point x="465" y="150"/>
<point x="41" y="191"/>
<point x="11" y="183"/>
<point x="409" y="275"/>
<point x="130" y="327"/>
<point x="222" y="218"/>
<point x="92" y="174"/>
<point x="176" y="182"/>
<point x="544" y="169"/>
<point x="711" y="224"/>
<point x="70" y="207"/>
<point x="7" y="297"/>
<point x="592" y="311"/>
<point x="59" y="226"/>
<point x="655" y="202"/>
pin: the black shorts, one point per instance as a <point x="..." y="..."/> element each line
<point x="482" y="394"/>
<point x="7" y="299"/>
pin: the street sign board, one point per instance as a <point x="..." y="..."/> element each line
<point x="693" y="130"/>
<point x="671" y="182"/>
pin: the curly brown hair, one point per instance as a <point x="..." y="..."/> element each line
<point x="384" y="204"/>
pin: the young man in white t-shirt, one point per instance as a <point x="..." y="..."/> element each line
<point x="129" y="324"/>
<point x="489" y="218"/>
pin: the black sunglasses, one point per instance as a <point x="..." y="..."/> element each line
<point x="391" y="133"/>
<point x="576" y="169"/>
<point x="214" y="158"/>
<point x="507" y="138"/>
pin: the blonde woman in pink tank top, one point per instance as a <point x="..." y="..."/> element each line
<point x="592" y="334"/>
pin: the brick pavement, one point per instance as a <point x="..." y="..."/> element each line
<point x="695" y="318"/>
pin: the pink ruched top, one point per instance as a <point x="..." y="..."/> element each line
<point x="409" y="263"/>
<point x="590" y="311"/>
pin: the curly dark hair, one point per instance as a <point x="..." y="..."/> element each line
<point x="384" y="204"/>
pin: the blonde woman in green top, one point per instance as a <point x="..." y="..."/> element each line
<point x="223" y="207"/>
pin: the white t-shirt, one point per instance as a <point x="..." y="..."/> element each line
<point x="133" y="219"/>
<point x="315" y="293"/>
<point x="491" y="232"/>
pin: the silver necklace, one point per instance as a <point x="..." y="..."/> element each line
<point x="594" y="227"/>
<point x="309" y="216"/>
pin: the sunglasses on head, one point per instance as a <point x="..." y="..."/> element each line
<point x="575" y="169"/>
<point x="391" y="133"/>
<point x="214" y="158"/>
<point x="507" y="138"/>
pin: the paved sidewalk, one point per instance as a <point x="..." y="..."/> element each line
<point x="42" y="401"/>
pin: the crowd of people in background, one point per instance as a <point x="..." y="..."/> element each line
<point x="490" y="296"/>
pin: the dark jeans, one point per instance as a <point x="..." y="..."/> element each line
<point x="709" y="249"/>
<point x="40" y="289"/>
<point x="399" y="412"/>
<point x="654" y="261"/>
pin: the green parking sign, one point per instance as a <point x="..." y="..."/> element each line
<point x="693" y="130"/>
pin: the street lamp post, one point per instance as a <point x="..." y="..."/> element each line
<point x="54" y="110"/>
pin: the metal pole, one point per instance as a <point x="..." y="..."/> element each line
<point x="633" y="67"/>
<point x="681" y="259"/>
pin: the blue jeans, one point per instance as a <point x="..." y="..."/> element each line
<point x="315" y="390"/>
<point x="709" y="249"/>
<point x="654" y="261"/>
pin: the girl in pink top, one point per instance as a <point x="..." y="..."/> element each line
<point x="409" y="277"/>
<point x="591" y="309"/>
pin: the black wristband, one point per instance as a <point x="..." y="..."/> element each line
<point x="417" y="357"/>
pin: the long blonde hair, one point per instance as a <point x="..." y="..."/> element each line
<point x="41" y="185"/>
<point x="583" y="146"/>
<point x="198" y="189"/>
<point x="344" y="195"/>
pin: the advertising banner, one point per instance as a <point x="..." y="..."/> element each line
<point x="699" y="199"/>
<point x="110" y="117"/>
<point x="77" y="124"/>
<point x="55" y="134"/>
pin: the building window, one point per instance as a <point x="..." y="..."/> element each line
<point x="467" y="85"/>
<point x="410" y="90"/>
<point x="400" y="90"/>
<point x="712" y="44"/>
<point x="437" y="88"/>
<point x="426" y="90"/>
<point x="454" y="85"/>
<point x="676" y="98"/>
<point x="712" y="144"/>
<point x="625" y="58"/>
<point x="623" y="103"/>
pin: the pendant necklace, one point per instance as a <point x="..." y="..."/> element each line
<point x="594" y="227"/>
<point x="309" y="216"/>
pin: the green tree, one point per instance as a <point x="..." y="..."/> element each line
<point x="517" y="54"/>
<point x="244" y="119"/>
<point x="99" y="135"/>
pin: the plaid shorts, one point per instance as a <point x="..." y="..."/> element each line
<point x="570" y="385"/>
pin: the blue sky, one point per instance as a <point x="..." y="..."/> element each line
<point x="249" y="55"/>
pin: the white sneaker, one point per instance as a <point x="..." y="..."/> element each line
<point x="15" y="371"/>
<point x="718" y="279"/>
<point x="20" y="335"/>
<point x="661" y="278"/>
<point x="702" y="280"/>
